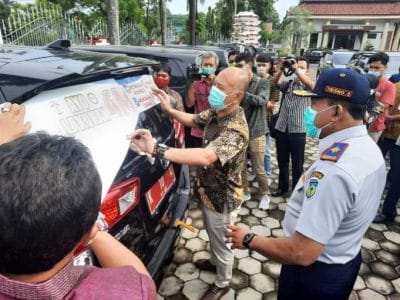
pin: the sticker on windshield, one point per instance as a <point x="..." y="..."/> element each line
<point x="138" y="89"/>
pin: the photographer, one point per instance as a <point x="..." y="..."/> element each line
<point x="290" y="128"/>
<point x="198" y="93"/>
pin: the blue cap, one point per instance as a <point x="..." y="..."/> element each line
<point x="342" y="84"/>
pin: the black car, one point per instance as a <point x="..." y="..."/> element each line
<point x="100" y="98"/>
<point x="183" y="62"/>
<point x="314" y="55"/>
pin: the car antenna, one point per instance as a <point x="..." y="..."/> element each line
<point x="59" y="45"/>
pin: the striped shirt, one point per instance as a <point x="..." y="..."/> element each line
<point x="291" y="115"/>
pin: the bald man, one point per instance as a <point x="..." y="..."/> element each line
<point x="226" y="137"/>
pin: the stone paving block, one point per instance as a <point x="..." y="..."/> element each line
<point x="259" y="213"/>
<point x="198" y="224"/>
<point x="247" y="294"/>
<point x="270" y="222"/>
<point x="170" y="269"/>
<point x="249" y="266"/>
<point x="251" y="204"/>
<point x="383" y="270"/>
<point x="160" y="297"/>
<point x="187" y="272"/>
<point x="251" y="220"/>
<point x="368" y="294"/>
<point x="272" y="268"/>
<point x="278" y="233"/>
<point x="374" y="235"/>
<point x="207" y="277"/>
<point x="364" y="269"/>
<point x="282" y="206"/>
<point x="370" y="244"/>
<point x="195" y="244"/>
<point x="387" y="257"/>
<point x="170" y="286"/>
<point x="276" y="214"/>
<point x="398" y="269"/>
<point x="391" y="247"/>
<point x="196" y="213"/>
<point x="195" y="289"/>
<point x="239" y="280"/>
<point x="261" y="230"/>
<point x="182" y="255"/>
<point x="379" y="227"/>
<point x="262" y="283"/>
<point x="394" y="227"/>
<point x="277" y="200"/>
<point x="379" y="284"/>
<point x="392" y="236"/>
<point x="353" y="296"/>
<point x="241" y="253"/>
<point x="367" y="256"/>
<point x="359" y="284"/>
<point x="258" y="256"/>
<point x="396" y="285"/>
<point x="201" y="255"/>
<point x="203" y="235"/>
<point x="229" y="296"/>
<point x="244" y="211"/>
<point x="187" y="234"/>
<point x="270" y="296"/>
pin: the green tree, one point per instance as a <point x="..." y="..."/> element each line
<point x="296" y="28"/>
<point x="5" y="8"/>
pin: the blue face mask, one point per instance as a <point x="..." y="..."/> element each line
<point x="309" y="118"/>
<point x="375" y="73"/>
<point x="216" y="99"/>
<point x="207" y="71"/>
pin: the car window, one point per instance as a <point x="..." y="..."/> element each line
<point x="341" y="58"/>
<point x="328" y="57"/>
<point x="393" y="65"/>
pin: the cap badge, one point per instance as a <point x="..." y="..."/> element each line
<point x="342" y="75"/>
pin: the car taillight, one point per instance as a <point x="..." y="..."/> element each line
<point x="179" y="133"/>
<point x="120" y="199"/>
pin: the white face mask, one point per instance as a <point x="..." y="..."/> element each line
<point x="375" y="73"/>
<point x="302" y="71"/>
<point x="262" y="71"/>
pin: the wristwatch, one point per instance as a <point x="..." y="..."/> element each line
<point x="248" y="238"/>
<point x="159" y="150"/>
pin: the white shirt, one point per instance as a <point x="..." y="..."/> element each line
<point x="335" y="202"/>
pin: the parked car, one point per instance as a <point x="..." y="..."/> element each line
<point x="100" y="98"/>
<point x="314" y="55"/>
<point x="182" y="61"/>
<point x="334" y="59"/>
<point x="360" y="61"/>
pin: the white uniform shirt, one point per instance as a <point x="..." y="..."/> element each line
<point x="335" y="202"/>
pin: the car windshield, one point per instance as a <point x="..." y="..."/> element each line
<point x="342" y="58"/>
<point x="393" y="65"/>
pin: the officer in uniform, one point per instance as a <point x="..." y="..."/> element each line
<point x="335" y="200"/>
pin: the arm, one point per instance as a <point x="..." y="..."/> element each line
<point x="305" y="79"/>
<point x="296" y="249"/>
<point x="190" y="97"/>
<point x="277" y="78"/>
<point x="262" y="96"/>
<point x="191" y="156"/>
<point x="393" y="117"/>
<point x="111" y="253"/>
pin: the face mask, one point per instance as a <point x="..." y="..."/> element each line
<point x="301" y="71"/>
<point x="207" y="71"/>
<point x="231" y="64"/>
<point x="375" y="73"/>
<point x="161" y="83"/>
<point x="216" y="99"/>
<point x="262" y="71"/>
<point x="309" y="118"/>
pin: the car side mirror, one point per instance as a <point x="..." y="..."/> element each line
<point x="329" y="62"/>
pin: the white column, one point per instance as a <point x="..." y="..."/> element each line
<point x="319" y="41"/>
<point x="384" y="36"/>
<point x="325" y="35"/>
<point x="396" y="40"/>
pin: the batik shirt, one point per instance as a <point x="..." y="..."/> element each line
<point x="228" y="138"/>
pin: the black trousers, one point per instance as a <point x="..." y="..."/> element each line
<point x="290" y="146"/>
<point x="319" y="281"/>
<point x="386" y="145"/>
<point x="393" y="195"/>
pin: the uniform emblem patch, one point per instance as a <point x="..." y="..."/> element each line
<point x="312" y="188"/>
<point x="334" y="152"/>
<point x="317" y="174"/>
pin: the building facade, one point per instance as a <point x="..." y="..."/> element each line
<point x="353" y="24"/>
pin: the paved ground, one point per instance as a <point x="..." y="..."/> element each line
<point x="254" y="276"/>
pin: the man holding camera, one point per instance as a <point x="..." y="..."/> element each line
<point x="290" y="128"/>
<point x="198" y="93"/>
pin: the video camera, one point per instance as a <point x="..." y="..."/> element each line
<point x="193" y="73"/>
<point x="287" y="65"/>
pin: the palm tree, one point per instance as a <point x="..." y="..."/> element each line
<point x="192" y="4"/>
<point x="163" y="21"/>
<point x="113" y="21"/>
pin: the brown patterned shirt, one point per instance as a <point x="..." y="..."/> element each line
<point x="228" y="137"/>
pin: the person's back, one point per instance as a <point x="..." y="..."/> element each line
<point x="50" y="197"/>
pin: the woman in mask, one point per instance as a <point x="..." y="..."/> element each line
<point x="162" y="78"/>
<point x="265" y="69"/>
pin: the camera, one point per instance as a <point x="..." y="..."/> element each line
<point x="287" y="65"/>
<point x="193" y="72"/>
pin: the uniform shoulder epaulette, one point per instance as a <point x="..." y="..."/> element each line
<point x="334" y="152"/>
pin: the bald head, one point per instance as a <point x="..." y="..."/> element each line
<point x="234" y="79"/>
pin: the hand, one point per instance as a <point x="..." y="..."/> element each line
<point x="270" y="105"/>
<point x="143" y="140"/>
<point x="295" y="67"/>
<point x="211" y="77"/>
<point x="236" y="235"/>
<point x="165" y="99"/>
<point x="12" y="124"/>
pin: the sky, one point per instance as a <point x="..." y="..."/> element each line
<point x="179" y="6"/>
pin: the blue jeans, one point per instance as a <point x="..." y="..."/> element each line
<point x="267" y="157"/>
